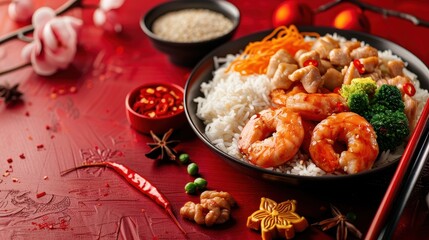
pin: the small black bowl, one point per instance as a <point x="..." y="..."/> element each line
<point x="189" y="53"/>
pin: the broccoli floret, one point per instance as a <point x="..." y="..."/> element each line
<point x="374" y="109"/>
<point x="391" y="128"/>
<point x="382" y="107"/>
<point x="358" y="102"/>
<point x="358" y="94"/>
<point x="367" y="85"/>
<point x="390" y="97"/>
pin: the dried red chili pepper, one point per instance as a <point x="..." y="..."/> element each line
<point x="359" y="66"/>
<point x="310" y="62"/>
<point x="409" y="89"/>
<point x="139" y="182"/>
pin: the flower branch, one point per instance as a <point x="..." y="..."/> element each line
<point x="29" y="28"/>
<point x="385" y="12"/>
<point x="54" y="41"/>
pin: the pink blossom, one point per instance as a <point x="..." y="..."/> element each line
<point x="106" y="16"/>
<point x="107" y="5"/>
<point x="55" y="41"/>
<point x="21" y="10"/>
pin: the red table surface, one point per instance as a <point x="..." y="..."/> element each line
<point x="48" y="134"/>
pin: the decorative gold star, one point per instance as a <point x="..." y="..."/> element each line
<point x="277" y="220"/>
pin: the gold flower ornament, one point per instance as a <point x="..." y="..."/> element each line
<point x="277" y="220"/>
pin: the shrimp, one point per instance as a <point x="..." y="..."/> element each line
<point x="271" y="137"/>
<point x="350" y="128"/>
<point x="311" y="106"/>
<point x="308" y="132"/>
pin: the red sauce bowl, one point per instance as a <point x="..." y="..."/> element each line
<point x="155" y="107"/>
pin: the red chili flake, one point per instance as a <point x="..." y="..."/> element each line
<point x="310" y="62"/>
<point x="161" y="108"/>
<point x="40" y="194"/>
<point x="120" y="50"/>
<point x="409" y="89"/>
<point x="341" y="107"/>
<point x="61" y="91"/>
<point x="22" y="156"/>
<point x="337" y="90"/>
<point x="40" y="146"/>
<point x="27" y="114"/>
<point x="158" y="101"/>
<point x="9" y="160"/>
<point x="47" y="127"/>
<point x="72" y="89"/>
<point x="15" y="180"/>
<point x="359" y="66"/>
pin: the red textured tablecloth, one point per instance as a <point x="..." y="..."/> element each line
<point x="56" y="128"/>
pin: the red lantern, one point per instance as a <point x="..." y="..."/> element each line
<point x="352" y="19"/>
<point x="292" y="12"/>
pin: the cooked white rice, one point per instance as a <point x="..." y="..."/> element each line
<point x="230" y="99"/>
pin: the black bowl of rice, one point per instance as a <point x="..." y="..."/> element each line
<point x="199" y="109"/>
<point x="187" y="30"/>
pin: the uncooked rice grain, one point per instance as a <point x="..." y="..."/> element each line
<point x="191" y="25"/>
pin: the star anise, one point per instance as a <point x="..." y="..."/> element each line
<point x="162" y="148"/>
<point x="342" y="222"/>
<point x="10" y="94"/>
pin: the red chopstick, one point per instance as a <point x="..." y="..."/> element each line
<point x="392" y="191"/>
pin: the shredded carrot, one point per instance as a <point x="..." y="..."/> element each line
<point x="256" y="55"/>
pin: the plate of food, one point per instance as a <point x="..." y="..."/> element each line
<point x="307" y="104"/>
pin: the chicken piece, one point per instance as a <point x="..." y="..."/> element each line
<point x="281" y="56"/>
<point x="280" y="78"/>
<point x="332" y="79"/>
<point x="339" y="56"/>
<point x="349" y="73"/>
<point x="410" y="110"/>
<point x="364" y="52"/>
<point x="396" y="67"/>
<point x="311" y="55"/>
<point x="326" y="64"/>
<point x="369" y="63"/>
<point x="349" y="46"/>
<point x="299" y="53"/>
<point x="324" y="45"/>
<point x="376" y="75"/>
<point x="309" y="76"/>
<point x="399" y="81"/>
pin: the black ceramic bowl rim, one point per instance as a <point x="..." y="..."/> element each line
<point x="226" y="8"/>
<point x="206" y="66"/>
